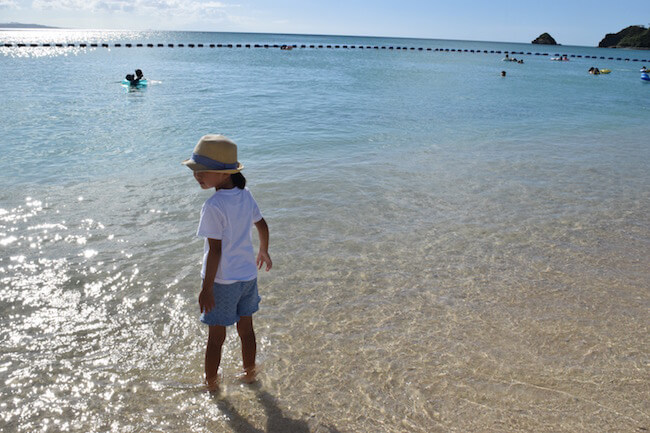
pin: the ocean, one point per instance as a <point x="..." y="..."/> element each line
<point x="453" y="250"/>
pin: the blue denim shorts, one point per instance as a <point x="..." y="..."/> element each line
<point x="231" y="302"/>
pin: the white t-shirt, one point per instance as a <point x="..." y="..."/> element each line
<point x="229" y="215"/>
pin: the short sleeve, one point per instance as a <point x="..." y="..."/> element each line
<point x="257" y="215"/>
<point x="211" y="224"/>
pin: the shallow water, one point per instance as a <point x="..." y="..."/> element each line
<point x="453" y="251"/>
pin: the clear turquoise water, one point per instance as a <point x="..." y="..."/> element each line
<point x="453" y="250"/>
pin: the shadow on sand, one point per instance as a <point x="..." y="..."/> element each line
<point x="276" y="421"/>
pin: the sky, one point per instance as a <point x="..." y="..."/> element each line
<point x="570" y="22"/>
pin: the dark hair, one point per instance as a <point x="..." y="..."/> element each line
<point x="239" y="180"/>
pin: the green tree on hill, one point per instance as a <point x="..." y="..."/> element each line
<point x="630" y="37"/>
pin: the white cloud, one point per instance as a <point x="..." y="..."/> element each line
<point x="166" y="8"/>
<point x="8" y="4"/>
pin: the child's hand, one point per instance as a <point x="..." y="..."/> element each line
<point x="206" y="301"/>
<point x="263" y="257"/>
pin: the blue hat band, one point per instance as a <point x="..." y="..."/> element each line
<point x="212" y="164"/>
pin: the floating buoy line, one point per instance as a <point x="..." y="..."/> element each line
<point x="309" y="46"/>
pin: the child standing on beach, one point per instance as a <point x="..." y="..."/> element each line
<point x="229" y="291"/>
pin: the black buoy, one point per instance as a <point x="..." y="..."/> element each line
<point x="190" y="45"/>
<point x="170" y="45"/>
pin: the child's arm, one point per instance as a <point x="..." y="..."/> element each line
<point x="206" y="297"/>
<point x="263" y="255"/>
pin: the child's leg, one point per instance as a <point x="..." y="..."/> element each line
<point x="248" y="345"/>
<point x="216" y="337"/>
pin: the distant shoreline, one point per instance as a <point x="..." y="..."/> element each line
<point x="25" y="26"/>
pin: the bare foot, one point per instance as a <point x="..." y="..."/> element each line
<point x="212" y="383"/>
<point x="249" y="375"/>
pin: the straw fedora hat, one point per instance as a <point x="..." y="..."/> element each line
<point x="214" y="153"/>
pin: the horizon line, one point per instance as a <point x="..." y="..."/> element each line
<point x="46" y="28"/>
